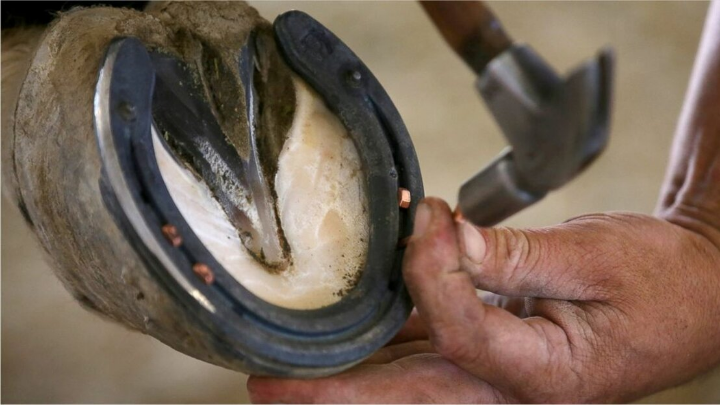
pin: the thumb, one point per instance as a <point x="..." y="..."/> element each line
<point x="480" y="338"/>
<point x="559" y="262"/>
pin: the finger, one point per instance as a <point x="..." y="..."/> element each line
<point x="514" y="305"/>
<point x="424" y="378"/>
<point x="488" y="341"/>
<point x="414" y="329"/>
<point x="568" y="261"/>
<point x="391" y="353"/>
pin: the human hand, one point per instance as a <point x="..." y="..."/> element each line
<point x="621" y="305"/>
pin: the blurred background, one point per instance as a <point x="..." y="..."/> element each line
<point x="53" y="351"/>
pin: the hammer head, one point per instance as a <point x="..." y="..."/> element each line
<point x="556" y="127"/>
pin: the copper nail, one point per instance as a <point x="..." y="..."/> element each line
<point x="458" y="215"/>
<point x="204" y="273"/>
<point x="171" y="234"/>
<point x="404" y="197"/>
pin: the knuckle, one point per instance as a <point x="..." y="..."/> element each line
<point x="619" y="245"/>
<point x="512" y="253"/>
<point x="612" y="227"/>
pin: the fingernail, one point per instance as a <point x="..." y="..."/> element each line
<point x="423" y="214"/>
<point x="473" y="243"/>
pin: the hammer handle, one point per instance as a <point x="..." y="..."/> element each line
<point x="471" y="29"/>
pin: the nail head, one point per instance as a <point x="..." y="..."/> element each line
<point x="171" y="234"/>
<point x="404" y="197"/>
<point x="203" y="272"/>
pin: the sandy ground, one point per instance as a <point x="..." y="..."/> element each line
<point x="53" y="351"/>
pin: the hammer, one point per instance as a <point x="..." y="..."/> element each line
<point x="556" y="126"/>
